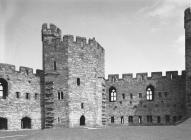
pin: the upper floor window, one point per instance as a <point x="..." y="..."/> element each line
<point x="150" y="93"/>
<point x="78" y="81"/>
<point x="112" y="94"/>
<point x="27" y="96"/>
<point x="123" y="95"/>
<point x="60" y="95"/>
<point x="131" y="96"/>
<point x="3" y="88"/>
<point x="17" y="94"/>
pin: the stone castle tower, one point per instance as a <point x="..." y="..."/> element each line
<point x="187" y="26"/>
<point x="74" y="79"/>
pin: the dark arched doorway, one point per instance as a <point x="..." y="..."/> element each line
<point x="82" y="120"/>
<point x="3" y="123"/>
<point x="25" y="123"/>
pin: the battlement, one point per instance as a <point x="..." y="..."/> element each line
<point x="187" y="16"/>
<point x="82" y="41"/>
<point x="51" y="30"/>
<point x="8" y="68"/>
<point x="143" y="76"/>
<point x="79" y="39"/>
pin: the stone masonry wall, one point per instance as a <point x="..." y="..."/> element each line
<point x="169" y="98"/>
<point x="55" y="66"/>
<point x="86" y="62"/>
<point x="13" y="108"/>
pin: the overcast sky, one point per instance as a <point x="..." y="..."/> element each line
<point x="138" y="35"/>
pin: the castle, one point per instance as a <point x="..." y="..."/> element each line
<point x="72" y="91"/>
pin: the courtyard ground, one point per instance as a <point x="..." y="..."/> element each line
<point x="179" y="132"/>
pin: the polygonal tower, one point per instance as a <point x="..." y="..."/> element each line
<point x="74" y="79"/>
<point x="187" y="26"/>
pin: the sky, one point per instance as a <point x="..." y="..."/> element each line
<point x="137" y="35"/>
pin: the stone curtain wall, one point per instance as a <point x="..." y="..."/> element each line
<point x="171" y="102"/>
<point x="13" y="108"/>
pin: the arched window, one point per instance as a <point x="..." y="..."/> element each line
<point x="3" y="88"/>
<point x="112" y="94"/>
<point x="150" y="93"/>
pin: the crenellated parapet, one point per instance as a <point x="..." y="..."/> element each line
<point x="171" y="75"/>
<point x="83" y="41"/>
<point x="53" y="31"/>
<point x="50" y="30"/>
<point x="10" y="69"/>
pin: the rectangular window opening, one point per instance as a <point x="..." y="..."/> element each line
<point x="27" y="96"/>
<point x="78" y="81"/>
<point x="17" y="94"/>
<point x="112" y="119"/>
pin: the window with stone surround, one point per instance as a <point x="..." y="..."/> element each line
<point x="130" y="119"/>
<point x="60" y="95"/>
<point x="140" y="95"/>
<point x="150" y="93"/>
<point x="112" y="94"/>
<point x="27" y="96"/>
<point x="17" y="94"/>
<point x="78" y="81"/>
<point x="149" y="119"/>
<point x="3" y="88"/>
<point x="112" y="119"/>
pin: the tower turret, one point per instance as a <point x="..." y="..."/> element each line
<point x="187" y="26"/>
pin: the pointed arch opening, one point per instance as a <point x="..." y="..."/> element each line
<point x="26" y="123"/>
<point x="3" y="88"/>
<point x="112" y="94"/>
<point x="150" y="93"/>
<point x="82" y="120"/>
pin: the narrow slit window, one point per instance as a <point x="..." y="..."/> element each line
<point x="27" y="96"/>
<point x="82" y="105"/>
<point x="78" y="81"/>
<point x="62" y="95"/>
<point x="17" y="94"/>
<point x="59" y="96"/>
<point x="54" y="65"/>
